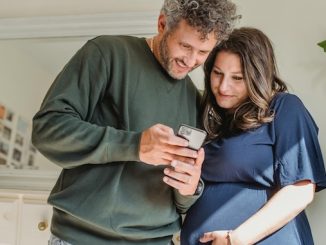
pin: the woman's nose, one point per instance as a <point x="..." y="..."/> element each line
<point x="224" y="84"/>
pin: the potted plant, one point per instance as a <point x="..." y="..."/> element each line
<point x="323" y="45"/>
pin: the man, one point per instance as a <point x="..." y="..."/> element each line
<point x="108" y="120"/>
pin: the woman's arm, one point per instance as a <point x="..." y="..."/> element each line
<point x="287" y="203"/>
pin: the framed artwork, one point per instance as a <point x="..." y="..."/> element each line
<point x="15" y="141"/>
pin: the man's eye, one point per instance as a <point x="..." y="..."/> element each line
<point x="185" y="46"/>
<point x="203" y="52"/>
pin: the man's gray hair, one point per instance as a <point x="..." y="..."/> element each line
<point x="206" y="16"/>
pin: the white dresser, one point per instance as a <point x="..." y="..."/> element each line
<point x="24" y="217"/>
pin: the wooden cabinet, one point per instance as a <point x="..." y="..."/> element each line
<point x="24" y="218"/>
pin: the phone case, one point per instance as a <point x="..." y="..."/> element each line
<point x="195" y="136"/>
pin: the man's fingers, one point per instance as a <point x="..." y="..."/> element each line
<point x="171" y="158"/>
<point x="168" y="137"/>
<point x="173" y="183"/>
<point x="183" y="177"/>
<point x="181" y="151"/>
<point x="182" y="167"/>
<point x="200" y="158"/>
<point x="159" y="142"/>
<point x="173" y="140"/>
<point x="184" y="160"/>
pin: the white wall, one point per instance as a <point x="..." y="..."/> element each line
<point x="294" y="26"/>
<point x="23" y="83"/>
<point x="18" y="8"/>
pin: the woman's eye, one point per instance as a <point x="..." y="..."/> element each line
<point x="237" y="78"/>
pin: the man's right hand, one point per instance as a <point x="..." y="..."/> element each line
<point x="159" y="145"/>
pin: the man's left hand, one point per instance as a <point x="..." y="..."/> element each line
<point x="184" y="176"/>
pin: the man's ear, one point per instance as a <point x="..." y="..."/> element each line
<point x="161" y="23"/>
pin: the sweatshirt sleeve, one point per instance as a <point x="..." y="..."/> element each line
<point x="183" y="203"/>
<point x="62" y="128"/>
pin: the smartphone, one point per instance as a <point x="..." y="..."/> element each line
<point x="195" y="136"/>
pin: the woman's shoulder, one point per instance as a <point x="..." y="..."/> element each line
<point x="286" y="101"/>
<point x="289" y="108"/>
<point x="284" y="97"/>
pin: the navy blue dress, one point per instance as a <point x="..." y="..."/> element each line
<point x="241" y="173"/>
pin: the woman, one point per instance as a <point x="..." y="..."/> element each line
<point x="263" y="162"/>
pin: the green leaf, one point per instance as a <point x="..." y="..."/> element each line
<point x="323" y="45"/>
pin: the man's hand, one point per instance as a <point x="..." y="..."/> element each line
<point x="185" y="176"/>
<point x="159" y="145"/>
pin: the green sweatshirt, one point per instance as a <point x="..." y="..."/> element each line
<point x="90" y="124"/>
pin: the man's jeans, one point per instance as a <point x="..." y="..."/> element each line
<point x="57" y="241"/>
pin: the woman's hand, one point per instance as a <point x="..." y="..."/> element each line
<point x="216" y="237"/>
<point x="282" y="207"/>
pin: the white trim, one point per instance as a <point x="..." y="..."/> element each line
<point x="28" y="179"/>
<point x="132" y="23"/>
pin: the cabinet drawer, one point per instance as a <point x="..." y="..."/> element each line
<point x="35" y="223"/>
<point x="8" y="221"/>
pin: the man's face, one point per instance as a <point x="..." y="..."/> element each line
<point x="183" y="49"/>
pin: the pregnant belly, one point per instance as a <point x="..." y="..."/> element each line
<point x="222" y="206"/>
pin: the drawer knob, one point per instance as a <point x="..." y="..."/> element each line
<point x="42" y="225"/>
<point x="9" y="216"/>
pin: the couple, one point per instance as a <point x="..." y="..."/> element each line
<point x="109" y="119"/>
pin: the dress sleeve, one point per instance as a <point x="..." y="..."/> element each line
<point x="297" y="151"/>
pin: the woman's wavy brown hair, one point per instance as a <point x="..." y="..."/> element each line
<point x="260" y="74"/>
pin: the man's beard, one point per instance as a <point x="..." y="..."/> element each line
<point x="166" y="60"/>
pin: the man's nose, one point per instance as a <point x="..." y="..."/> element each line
<point x="190" y="60"/>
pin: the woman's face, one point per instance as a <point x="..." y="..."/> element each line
<point x="227" y="83"/>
